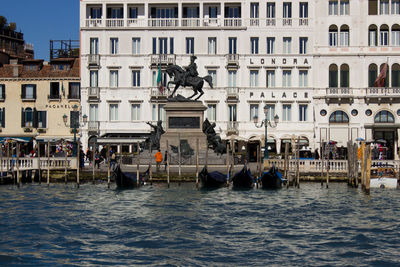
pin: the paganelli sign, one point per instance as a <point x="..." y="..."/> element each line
<point x="59" y="106"/>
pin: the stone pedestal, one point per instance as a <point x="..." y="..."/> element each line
<point x="184" y="119"/>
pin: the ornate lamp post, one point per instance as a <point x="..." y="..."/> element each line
<point x="75" y="124"/>
<point x="265" y="122"/>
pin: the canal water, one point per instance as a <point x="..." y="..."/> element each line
<point x="184" y="226"/>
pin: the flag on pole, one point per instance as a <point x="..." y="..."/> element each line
<point x="159" y="80"/>
<point x="380" y="80"/>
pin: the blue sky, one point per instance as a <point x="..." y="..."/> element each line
<point x="43" y="20"/>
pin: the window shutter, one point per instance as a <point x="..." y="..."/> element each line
<point x="197" y="12"/>
<point x="23" y="91"/>
<point x="35" y="118"/>
<point x="22" y="118"/>
<point x="171" y="45"/>
<point x="44" y="122"/>
<point x="209" y="12"/>
<point x="34" y="91"/>
<point x="3" y="91"/>
<point x="3" y="118"/>
<point x="176" y="12"/>
<point x="185" y="12"/>
<point x="154" y="45"/>
<point x="108" y="13"/>
<point x="226" y="12"/>
<point x="240" y="12"/>
<point x="153" y="13"/>
<point x="121" y="10"/>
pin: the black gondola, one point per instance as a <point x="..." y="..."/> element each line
<point x="213" y="179"/>
<point x="272" y="179"/>
<point x="243" y="179"/>
<point x="128" y="180"/>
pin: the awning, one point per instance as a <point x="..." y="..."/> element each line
<point x="391" y="126"/>
<point x="234" y="137"/>
<point x="119" y="140"/>
<point x="53" y="139"/>
<point x="23" y="139"/>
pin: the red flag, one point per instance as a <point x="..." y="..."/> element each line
<point x="380" y="80"/>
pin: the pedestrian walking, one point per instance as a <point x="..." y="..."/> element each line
<point x="159" y="159"/>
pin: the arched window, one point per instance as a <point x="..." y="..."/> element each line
<point x="344" y="35"/>
<point x="339" y="117"/>
<point x="384" y="35"/>
<point x="395" y="75"/>
<point x="387" y="75"/>
<point x="396" y="35"/>
<point x="384" y="116"/>
<point x="333" y="75"/>
<point x="344" y="76"/>
<point x="28" y="117"/>
<point x="372" y="74"/>
<point x="333" y="35"/>
<point x="372" y="35"/>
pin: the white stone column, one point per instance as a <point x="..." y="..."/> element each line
<point x="125" y="14"/>
<point x="180" y="13"/>
<point x="201" y="15"/>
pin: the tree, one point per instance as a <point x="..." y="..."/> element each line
<point x="3" y="22"/>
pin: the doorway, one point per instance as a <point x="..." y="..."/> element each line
<point x="386" y="138"/>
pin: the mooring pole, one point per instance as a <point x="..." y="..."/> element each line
<point x="65" y="163"/>
<point x="227" y="164"/>
<point x="151" y="158"/>
<point x="17" y="165"/>
<point x="8" y="157"/>
<point x="167" y="159"/>
<point x="93" y="160"/>
<point x="179" y="156"/>
<point x="78" y="165"/>
<point x="197" y="162"/>
<point x="368" y="170"/>
<point x="138" y="164"/>
<point x="48" y="162"/>
<point x="108" y="166"/>
<point x="40" y="172"/>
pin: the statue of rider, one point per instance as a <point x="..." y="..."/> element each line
<point x="191" y="70"/>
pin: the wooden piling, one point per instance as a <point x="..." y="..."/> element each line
<point x="77" y="165"/>
<point x="328" y="166"/>
<point x="40" y="172"/>
<point x="355" y="166"/>
<point x="233" y="156"/>
<point x="197" y="162"/>
<point x="286" y="165"/>
<point x="8" y="157"/>
<point x="1" y="159"/>
<point x="298" y="162"/>
<point x="138" y="163"/>
<point x="227" y="163"/>
<point x="362" y="165"/>
<point x="108" y="166"/>
<point x="17" y="165"/>
<point x="179" y="156"/>
<point x="66" y="160"/>
<point x="349" y="162"/>
<point x="167" y="163"/>
<point x="322" y="150"/>
<point x="368" y="170"/>
<point x="258" y="164"/>
<point x="48" y="162"/>
<point x="206" y="163"/>
<point x="93" y="160"/>
<point x="150" y="161"/>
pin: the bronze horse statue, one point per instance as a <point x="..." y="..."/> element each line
<point x="179" y="80"/>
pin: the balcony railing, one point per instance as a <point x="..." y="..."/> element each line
<point x="156" y="92"/>
<point x="232" y="126"/>
<point x="94" y="23"/>
<point x="94" y="92"/>
<point x="211" y="22"/>
<point x="287" y="22"/>
<point x="190" y="22"/>
<point x="94" y="60"/>
<point x="93" y="126"/>
<point x="254" y="22"/>
<point x="233" y="59"/>
<point x="232" y="22"/>
<point x="136" y="23"/>
<point x="115" y="23"/>
<point x="163" y="59"/>
<point x="232" y="92"/>
<point x="270" y="22"/>
<point x="383" y="91"/>
<point x="339" y="91"/>
<point x="303" y="22"/>
<point x="163" y="22"/>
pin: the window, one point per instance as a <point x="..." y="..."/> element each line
<point x="136" y="78"/>
<point x="270" y="112"/>
<point x="135" y="112"/>
<point x="213" y="12"/>
<point x="333" y="36"/>
<point x="232" y="78"/>
<point x="42" y="123"/>
<point x="396" y="75"/>
<point x="253" y="111"/>
<point x="286" y="78"/>
<point x="396" y="35"/>
<point x="163" y="45"/>
<point x="2" y="117"/>
<point x="213" y="74"/>
<point x="303" y="10"/>
<point x="95" y="13"/>
<point x="54" y="90"/>
<point x="2" y="91"/>
<point x="113" y="78"/>
<point x="287" y="9"/>
<point x="94" y="46"/>
<point x="136" y="46"/>
<point x="303" y="112"/>
<point x="28" y="91"/>
<point x="287" y="112"/>
<point x="333" y="76"/>
<point x="94" y="78"/>
<point x="372" y="74"/>
<point x="270" y="10"/>
<point x="303" y="78"/>
<point x="190" y="45"/>
<point x="384" y="36"/>
<point x="384" y="116"/>
<point x="133" y="12"/>
<point x="27" y="117"/>
<point x="339" y="117"/>
<point x="113" y="115"/>
<point x="253" y="78"/>
<point x="396" y="7"/>
<point x="232" y="112"/>
<point x="212" y="112"/>
<point x="158" y="112"/>
<point x="212" y="45"/>
<point x="115" y="13"/>
<point x="344" y="7"/>
<point x="344" y="75"/>
<point x="94" y="112"/>
<point x="344" y="35"/>
<point x="74" y="90"/>
<point x="254" y="45"/>
<point x="372" y="35"/>
<point x="270" y="78"/>
<point x="303" y="45"/>
<point x="270" y="45"/>
<point x="333" y="7"/>
<point x="287" y="43"/>
<point x="372" y="7"/>
<point x="254" y="10"/>
<point x="384" y="7"/>
<point x="232" y="45"/>
<point x="113" y="46"/>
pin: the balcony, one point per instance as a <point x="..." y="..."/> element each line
<point x="155" y="93"/>
<point x="94" y="93"/>
<point x="114" y="23"/>
<point x="232" y="22"/>
<point x="287" y="22"/>
<point x="190" y="22"/>
<point x="270" y="22"/>
<point x="92" y="23"/>
<point x="163" y="59"/>
<point x="232" y="59"/>
<point x="136" y="23"/>
<point x="75" y="96"/>
<point x="211" y="22"/>
<point x="232" y="93"/>
<point x="254" y="22"/>
<point x="94" y="60"/>
<point x="232" y="127"/>
<point x="303" y="22"/>
<point x="93" y="127"/>
<point x="54" y="97"/>
<point x="170" y="22"/>
<point x="382" y="95"/>
<point x="339" y="95"/>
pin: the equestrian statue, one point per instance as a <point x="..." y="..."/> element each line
<point x="187" y="77"/>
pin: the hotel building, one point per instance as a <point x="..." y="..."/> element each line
<point x="312" y="63"/>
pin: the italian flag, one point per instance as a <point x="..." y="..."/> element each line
<point x="159" y="80"/>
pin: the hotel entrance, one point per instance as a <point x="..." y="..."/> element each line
<point x="386" y="139"/>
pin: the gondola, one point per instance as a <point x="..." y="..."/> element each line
<point x="213" y="179"/>
<point x="243" y="179"/>
<point x="128" y="180"/>
<point x="272" y="179"/>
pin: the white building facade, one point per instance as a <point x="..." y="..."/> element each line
<point x="312" y="63"/>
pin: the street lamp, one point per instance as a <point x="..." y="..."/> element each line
<point x="265" y="122"/>
<point x="74" y="125"/>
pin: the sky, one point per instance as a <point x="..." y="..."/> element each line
<point x="43" y="20"/>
